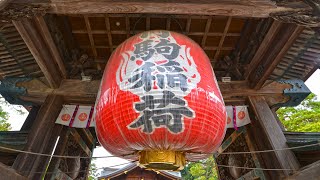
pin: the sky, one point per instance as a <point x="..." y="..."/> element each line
<point x="313" y="83"/>
<point x="16" y="120"/>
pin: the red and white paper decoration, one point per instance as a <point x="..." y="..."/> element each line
<point x="82" y="116"/>
<point x="76" y="116"/>
<point x="237" y="114"/>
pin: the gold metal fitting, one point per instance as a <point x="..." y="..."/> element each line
<point x="162" y="160"/>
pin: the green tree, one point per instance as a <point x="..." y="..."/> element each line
<point x="93" y="171"/>
<point x="4" y="125"/>
<point x="4" y="116"/>
<point x="302" y="118"/>
<point x="202" y="170"/>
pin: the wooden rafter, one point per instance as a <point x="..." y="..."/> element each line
<point x="36" y="35"/>
<point x="148" y="23"/>
<point x="263" y="48"/>
<point x="204" y="38"/>
<point x="271" y="51"/>
<point x="107" y="21"/>
<point x="226" y="28"/>
<point x="55" y="53"/>
<point x="14" y="54"/>
<point x="88" y="26"/>
<point x="188" y="25"/>
<point x="114" y="28"/>
<point x="168" y="23"/>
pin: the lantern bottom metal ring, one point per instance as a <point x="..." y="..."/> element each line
<point x="162" y="160"/>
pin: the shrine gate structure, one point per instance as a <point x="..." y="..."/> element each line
<point x="53" y="53"/>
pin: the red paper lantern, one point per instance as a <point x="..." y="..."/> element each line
<point x="159" y="102"/>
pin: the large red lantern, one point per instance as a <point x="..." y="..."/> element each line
<point x="159" y="102"/>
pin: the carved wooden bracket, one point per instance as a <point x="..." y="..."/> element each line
<point x="300" y="17"/>
<point x="309" y="17"/>
<point x="18" y="11"/>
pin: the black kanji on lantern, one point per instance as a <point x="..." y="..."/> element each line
<point x="146" y="49"/>
<point x="143" y="78"/>
<point x="167" y="49"/>
<point x="160" y="73"/>
<point x="167" y="111"/>
<point x="169" y="73"/>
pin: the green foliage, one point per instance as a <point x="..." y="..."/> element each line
<point x="202" y="170"/>
<point x="14" y="108"/>
<point x="93" y="172"/>
<point x="4" y="116"/>
<point x="303" y="118"/>
<point x="4" y="125"/>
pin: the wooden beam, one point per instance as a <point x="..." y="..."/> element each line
<point x="311" y="171"/>
<point x="80" y="141"/>
<point x="37" y="37"/>
<point x="86" y="136"/>
<point x="269" y="37"/>
<point x="274" y="47"/>
<point x="86" y="91"/>
<point x="4" y="3"/>
<point x="268" y="131"/>
<point x="229" y="141"/>
<point x="244" y="8"/>
<point x="39" y="136"/>
<point x="44" y="30"/>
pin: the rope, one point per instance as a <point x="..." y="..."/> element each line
<point x="272" y="150"/>
<point x="49" y="155"/>
<point x="37" y="172"/>
<point x="219" y="165"/>
<point x="263" y="169"/>
<point x="59" y="156"/>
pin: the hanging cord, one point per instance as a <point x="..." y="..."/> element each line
<point x="263" y="169"/>
<point x="135" y="24"/>
<point x="54" y="156"/>
<point x="272" y="150"/>
<point x="38" y="172"/>
<point x="219" y="165"/>
<point x="130" y="162"/>
<point x="170" y="16"/>
<point x="248" y="152"/>
<point x="179" y="24"/>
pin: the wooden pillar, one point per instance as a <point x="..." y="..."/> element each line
<point x="42" y="162"/>
<point x="30" y="119"/>
<point x="61" y="146"/>
<point x="40" y="135"/>
<point x="8" y="173"/>
<point x="269" y="135"/>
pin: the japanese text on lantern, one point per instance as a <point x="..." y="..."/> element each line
<point x="161" y="72"/>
